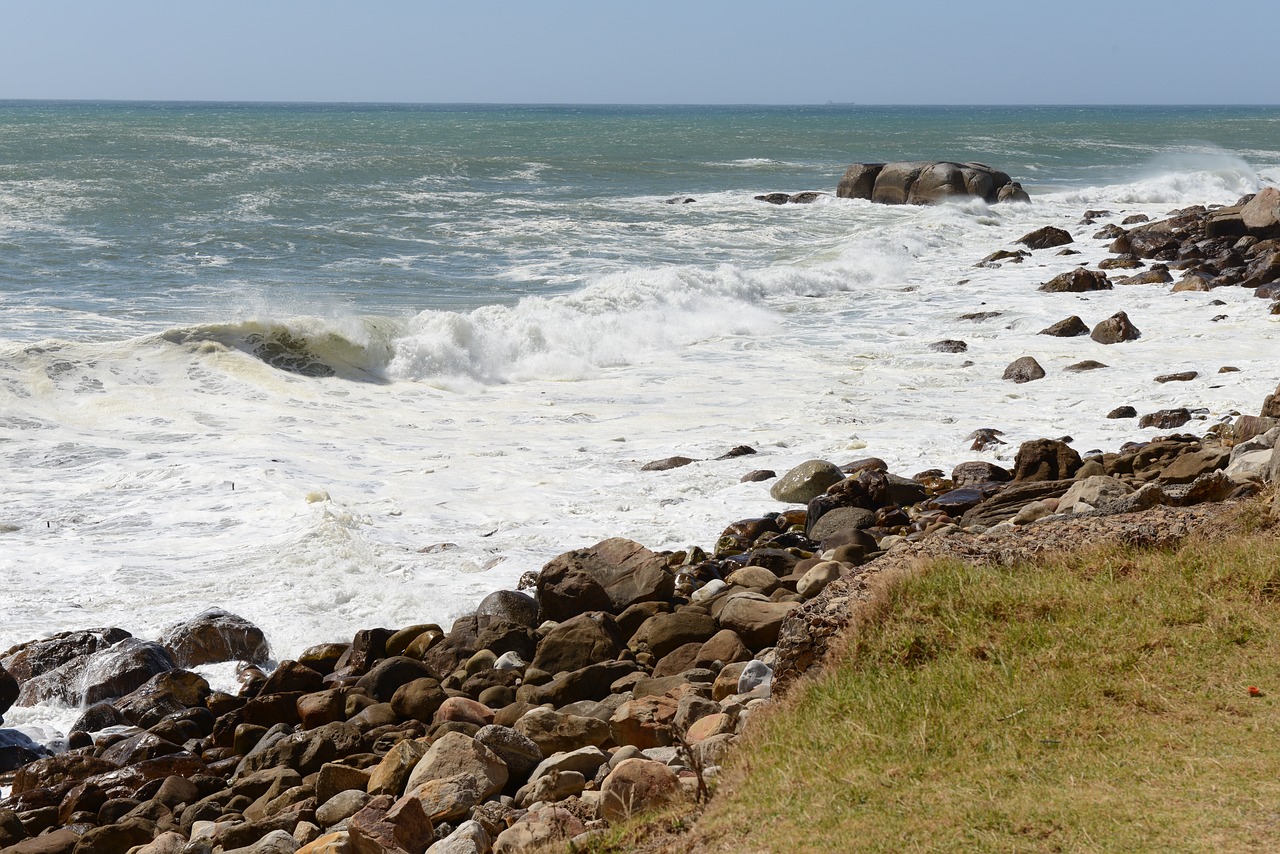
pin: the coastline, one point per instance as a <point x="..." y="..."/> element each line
<point x="639" y="624"/>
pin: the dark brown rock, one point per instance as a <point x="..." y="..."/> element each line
<point x="41" y="656"/>
<point x="385" y="678"/>
<point x="1070" y="327"/>
<point x="579" y="641"/>
<point x="1045" y="238"/>
<point x="608" y="576"/>
<point x="1086" y="365"/>
<point x="213" y="636"/>
<point x="1023" y="370"/>
<point x="161" y="695"/>
<point x="1123" y="412"/>
<point x="1166" y="419"/>
<point x="663" y="633"/>
<point x="1115" y="329"/>
<point x="949" y="346"/>
<point x="979" y="471"/>
<point x="1006" y="504"/>
<point x="667" y="464"/>
<point x="1077" y="280"/>
<point x="1180" y="377"/>
<point x="1045" y="460"/>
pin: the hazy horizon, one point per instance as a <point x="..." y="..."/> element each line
<point x="567" y="52"/>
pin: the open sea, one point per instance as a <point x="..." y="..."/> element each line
<point x="339" y="366"/>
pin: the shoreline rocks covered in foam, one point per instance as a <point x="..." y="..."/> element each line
<point x="613" y="682"/>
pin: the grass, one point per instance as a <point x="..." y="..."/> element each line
<point x="1096" y="702"/>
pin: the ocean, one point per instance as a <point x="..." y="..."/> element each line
<point x="333" y="366"/>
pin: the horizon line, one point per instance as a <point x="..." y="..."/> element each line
<point x="846" y="104"/>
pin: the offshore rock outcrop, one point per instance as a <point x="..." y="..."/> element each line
<point x="927" y="182"/>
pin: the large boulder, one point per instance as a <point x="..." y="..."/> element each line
<point x="609" y="576"/>
<point x="213" y="636"/>
<point x="924" y="182"/>
<point x="578" y="642"/>
<point x="1077" y="280"/>
<point x="1045" y="459"/>
<point x="455" y="753"/>
<point x="637" y="786"/>
<point x="40" y="656"/>
<point x="806" y="481"/>
<point x="1261" y="214"/>
<point x="107" y="673"/>
<point x="1045" y="238"/>
<point x="1115" y="329"/>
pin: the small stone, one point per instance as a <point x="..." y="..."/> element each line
<point x="1070" y="327"/>
<point x="949" y="346"/>
<point x="1086" y="365"/>
<point x="1023" y="370"/>
<point x="1123" y="412"/>
<point x="1181" y="377"/>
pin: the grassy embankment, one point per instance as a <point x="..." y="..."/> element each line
<point x="1111" y="699"/>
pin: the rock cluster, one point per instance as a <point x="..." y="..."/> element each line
<point x="927" y="182"/>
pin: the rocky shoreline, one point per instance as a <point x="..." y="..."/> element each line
<point x="615" y="679"/>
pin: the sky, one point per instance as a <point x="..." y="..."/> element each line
<point x="651" y="52"/>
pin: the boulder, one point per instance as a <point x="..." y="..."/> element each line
<point x="1092" y="493"/>
<point x="163" y="694"/>
<point x="637" y="786"/>
<point x="1077" y="280"/>
<point x="1115" y="329"/>
<point x="513" y="606"/>
<point x="924" y="182"/>
<point x="1261" y="214"/>
<point x="755" y="620"/>
<point x="609" y="576"/>
<point x="1010" y="500"/>
<point x="449" y="798"/>
<point x="806" y="481"/>
<point x="520" y="753"/>
<point x="1023" y="370"/>
<point x="548" y="829"/>
<point x="107" y="673"/>
<point x="455" y="753"/>
<point x="579" y="641"/>
<point x="1165" y="419"/>
<point x="979" y="471"/>
<point x="8" y="691"/>
<point x="470" y="837"/>
<point x="41" y="656"/>
<point x="663" y="633"/>
<point x="1070" y="327"/>
<point x="213" y="636"/>
<point x="391" y="774"/>
<point x="1045" y="459"/>
<point x="1045" y="238"/>
<point x="554" y="732"/>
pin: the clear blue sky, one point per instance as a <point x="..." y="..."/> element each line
<point x="655" y="51"/>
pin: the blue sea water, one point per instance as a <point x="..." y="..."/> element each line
<point x="341" y="365"/>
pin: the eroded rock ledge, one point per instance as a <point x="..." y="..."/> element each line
<point x="927" y="182"/>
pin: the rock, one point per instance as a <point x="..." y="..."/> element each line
<point x="1086" y="365"/>
<point x="1007" y="503"/>
<point x="107" y="673"/>
<point x="8" y="691"/>
<point x="1045" y="238"/>
<point x="392" y="773"/>
<point x="773" y="198"/>
<point x="1077" y="280"/>
<point x="637" y="786"/>
<point x="585" y="760"/>
<point x="839" y="520"/>
<point x="548" y="829"/>
<point x="518" y="752"/>
<point x="755" y="675"/>
<point x="17" y="750"/>
<point x="979" y="471"/>
<point x="807" y="197"/>
<point x="470" y="837"/>
<point x="645" y="722"/>
<point x="1261" y="214"/>
<point x="1091" y="493"/>
<point x="806" y="481"/>
<point x="756" y="621"/>
<point x="1045" y="459"/>
<point x="589" y="683"/>
<point x="1071" y="327"/>
<point x="553" y="787"/>
<point x="1023" y="370"/>
<point x="1127" y="412"/>
<point x="1166" y="419"/>
<point x="448" y="798"/>
<point x="925" y="182"/>
<point x="1188" y="466"/>
<point x="215" y="635"/>
<point x="1013" y="192"/>
<point x="510" y="605"/>
<point x="949" y="345"/>
<point x="34" y="658"/>
<point x="663" y="633"/>
<point x="555" y="732"/>
<point x="818" y="577"/>
<point x="1180" y="377"/>
<point x="342" y="805"/>
<point x="389" y="674"/>
<point x="578" y="642"/>
<point x="455" y="753"/>
<point x="115" y="838"/>
<point x="165" y="693"/>
<point x="667" y="464"/>
<point x="390" y="827"/>
<point x="609" y="576"/>
<point x="331" y="843"/>
<point x="1115" y="329"/>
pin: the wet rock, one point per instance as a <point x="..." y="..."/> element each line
<point x="164" y="694"/>
<point x="8" y="691"/>
<point x="1261" y="214"/>
<point x="1123" y="412"/>
<point x="994" y="259"/>
<point x="1070" y="327"/>
<point x="807" y="197"/>
<point x="1045" y="238"/>
<point x="773" y="198"/>
<point x="949" y="345"/>
<point x="667" y="464"/>
<point x="107" y="673"/>
<point x="1115" y="329"/>
<point x="213" y="636"/>
<point x="1086" y="365"/>
<point x="1166" y="419"/>
<point x="1023" y="370"/>
<point x="806" y="481"/>
<point x="1077" y="280"/>
<point x="41" y="656"/>
<point x="1157" y="275"/>
<point x="1180" y="377"/>
<point x="512" y="606"/>
<point x="979" y="471"/>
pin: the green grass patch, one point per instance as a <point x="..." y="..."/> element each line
<point x="1097" y="702"/>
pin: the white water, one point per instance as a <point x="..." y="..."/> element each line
<point x="150" y="478"/>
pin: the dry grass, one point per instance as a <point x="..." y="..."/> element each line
<point x="1095" y="702"/>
